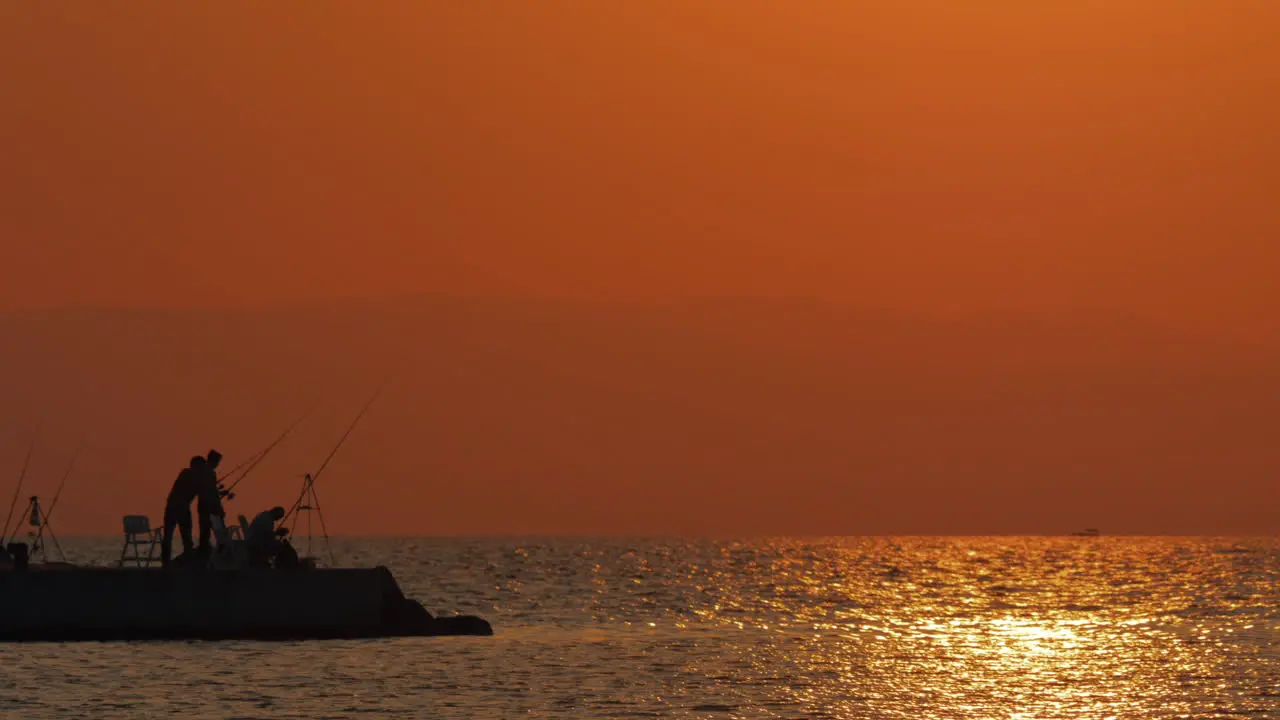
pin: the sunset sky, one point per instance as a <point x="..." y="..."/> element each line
<point x="934" y="155"/>
<point x="931" y="156"/>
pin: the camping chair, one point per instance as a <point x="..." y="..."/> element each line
<point x="137" y="533"/>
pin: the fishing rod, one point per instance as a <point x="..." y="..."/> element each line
<point x="237" y="468"/>
<point x="44" y="522"/>
<point x="242" y="464"/>
<point x="254" y="457"/>
<point x="308" y="493"/>
<point x="313" y="503"/>
<point x="261" y="455"/>
<point x="18" y="490"/>
<point x="316" y="475"/>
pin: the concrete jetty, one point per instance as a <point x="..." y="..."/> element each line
<point x="72" y="603"/>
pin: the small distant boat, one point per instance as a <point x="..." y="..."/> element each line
<point x="1087" y="532"/>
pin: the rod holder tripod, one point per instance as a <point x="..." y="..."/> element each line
<point x="37" y="525"/>
<point x="309" y="502"/>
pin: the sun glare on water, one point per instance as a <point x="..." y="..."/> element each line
<point x="987" y="628"/>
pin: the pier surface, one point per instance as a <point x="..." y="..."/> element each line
<point x="89" y="604"/>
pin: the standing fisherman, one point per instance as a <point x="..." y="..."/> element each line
<point x="177" y="509"/>
<point x="209" y="501"/>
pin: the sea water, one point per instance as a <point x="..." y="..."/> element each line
<point x="947" y="628"/>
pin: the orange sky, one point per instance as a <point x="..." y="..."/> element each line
<point x="933" y="155"/>
<point x="926" y="156"/>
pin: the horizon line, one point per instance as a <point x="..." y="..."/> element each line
<point x="733" y="537"/>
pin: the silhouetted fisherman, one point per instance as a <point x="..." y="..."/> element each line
<point x="208" y="501"/>
<point x="177" y="509"/>
<point x="262" y="538"/>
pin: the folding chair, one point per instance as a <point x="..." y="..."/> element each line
<point x="138" y="533"/>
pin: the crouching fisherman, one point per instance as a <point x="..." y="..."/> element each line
<point x="177" y="509"/>
<point x="266" y="544"/>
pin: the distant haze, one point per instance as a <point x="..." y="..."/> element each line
<point x="712" y="417"/>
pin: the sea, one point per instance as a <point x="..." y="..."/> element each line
<point x="887" y="627"/>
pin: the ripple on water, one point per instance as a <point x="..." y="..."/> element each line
<point x="839" y="628"/>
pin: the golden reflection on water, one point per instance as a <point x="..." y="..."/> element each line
<point x="1029" y="630"/>
<point x="854" y="629"/>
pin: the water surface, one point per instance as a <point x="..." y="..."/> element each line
<point x="943" y="628"/>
